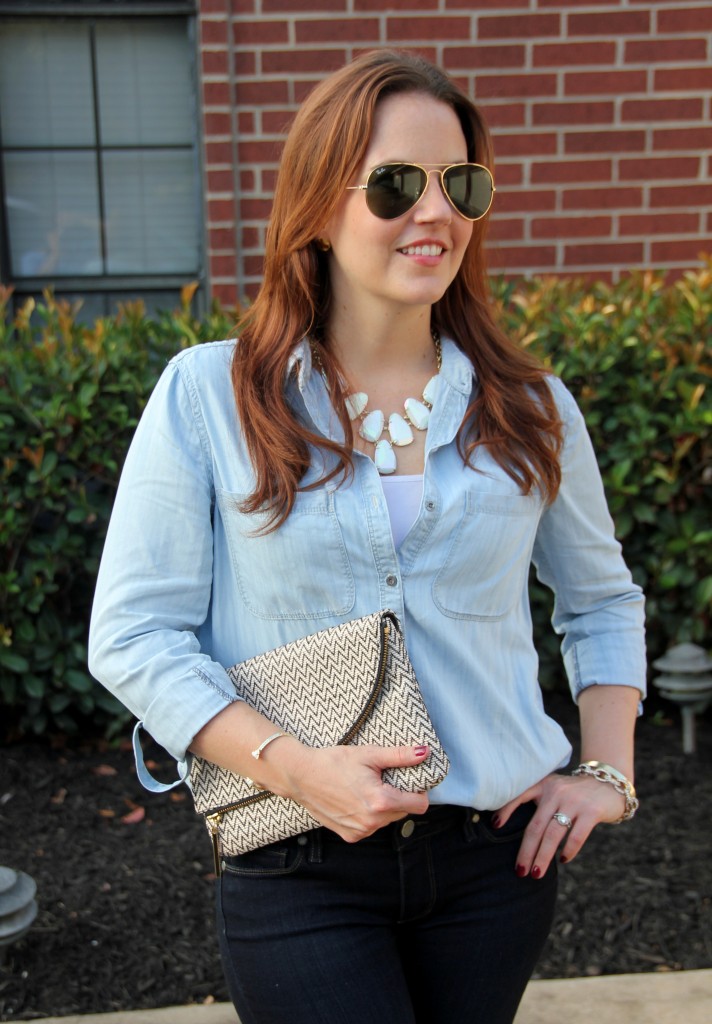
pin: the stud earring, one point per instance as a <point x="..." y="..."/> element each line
<point x="323" y="244"/>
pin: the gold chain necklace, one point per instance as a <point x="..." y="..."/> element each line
<point x="373" y="423"/>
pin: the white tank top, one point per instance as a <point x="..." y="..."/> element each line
<point x="403" y="496"/>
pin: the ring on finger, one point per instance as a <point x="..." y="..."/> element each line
<point x="563" y="819"/>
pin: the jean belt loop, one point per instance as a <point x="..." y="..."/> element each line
<point x="315" y="855"/>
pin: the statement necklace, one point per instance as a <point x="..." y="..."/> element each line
<point x="373" y="424"/>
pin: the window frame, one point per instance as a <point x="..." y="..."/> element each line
<point x="106" y="285"/>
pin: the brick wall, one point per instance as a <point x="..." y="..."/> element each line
<point x="601" y="112"/>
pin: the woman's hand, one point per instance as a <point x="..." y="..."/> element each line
<point x="585" y="801"/>
<point x="342" y="786"/>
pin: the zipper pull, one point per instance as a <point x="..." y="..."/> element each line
<point x="213" y="821"/>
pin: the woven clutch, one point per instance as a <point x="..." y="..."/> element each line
<point x="352" y="683"/>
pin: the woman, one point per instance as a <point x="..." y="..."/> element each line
<point x="262" y="500"/>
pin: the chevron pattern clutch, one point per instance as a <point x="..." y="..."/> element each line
<point x="352" y="683"/>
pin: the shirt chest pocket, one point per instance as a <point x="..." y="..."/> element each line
<point x="301" y="570"/>
<point x="487" y="564"/>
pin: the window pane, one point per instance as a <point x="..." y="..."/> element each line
<point x="45" y="84"/>
<point x="151" y="212"/>
<point x="53" y="214"/>
<point x="144" y="83"/>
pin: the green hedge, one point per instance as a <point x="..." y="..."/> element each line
<point x="636" y="355"/>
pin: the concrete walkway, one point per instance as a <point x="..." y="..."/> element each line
<point x="680" y="997"/>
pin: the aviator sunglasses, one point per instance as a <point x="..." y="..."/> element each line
<point x="394" y="189"/>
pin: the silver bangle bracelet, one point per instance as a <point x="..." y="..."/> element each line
<point x="605" y="773"/>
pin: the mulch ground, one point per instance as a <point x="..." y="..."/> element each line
<point x="125" y="886"/>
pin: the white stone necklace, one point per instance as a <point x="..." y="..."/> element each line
<point x="373" y="423"/>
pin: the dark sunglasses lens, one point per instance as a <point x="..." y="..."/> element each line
<point x="393" y="189"/>
<point x="469" y="189"/>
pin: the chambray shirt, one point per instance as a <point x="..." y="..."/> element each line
<point x="186" y="586"/>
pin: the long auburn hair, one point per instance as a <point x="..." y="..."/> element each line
<point x="513" y="412"/>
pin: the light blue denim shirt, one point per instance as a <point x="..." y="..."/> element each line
<point x="185" y="586"/>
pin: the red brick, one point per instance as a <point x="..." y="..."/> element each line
<point x="259" y="151"/>
<point x="263" y="92"/>
<point x="503" y="115"/>
<point x="483" y="4"/>
<point x="581" y="112"/>
<point x="683" y="138"/>
<point x="508" y="229"/>
<point x="225" y="293"/>
<point x="571" y="227"/>
<point x="220" y="181"/>
<point x="561" y="171"/>
<point x="508" y="174"/>
<point x="521" y="144"/>
<point x="505" y="86"/>
<point x="247" y="181"/>
<point x="250" y="237"/>
<point x="218" y="153"/>
<point x="643" y="168"/>
<point x="215" y="62"/>
<point x="220" y="239"/>
<point x="582" y="83"/>
<point x="525" y="256"/>
<point x="253" y="32"/>
<point x="685" y="79"/>
<point x="559" y="54"/>
<point x="615" y="23"/>
<point x="685" y="19"/>
<point x="507" y="201"/>
<point x="393" y="5"/>
<point x="254" y="265"/>
<point x="268" y="179"/>
<point x="221" y="210"/>
<point x="611" y="198"/>
<point x="213" y="6"/>
<point x="213" y="31"/>
<point x="683" y="109"/>
<point x="338" y="30"/>
<point x="223" y="265"/>
<point x="681" y="195"/>
<point x="606" y="141"/>
<point x="576" y="3"/>
<point x="276" y="122"/>
<point x="518" y="26"/>
<point x="246" y="122"/>
<point x="659" y="224"/>
<point x="410" y="28"/>
<point x="680" y="249"/>
<point x="476" y="57"/>
<point x="217" y="123"/>
<point x="244" y="62"/>
<point x="255" y="209"/>
<point x="603" y="254"/>
<point x="216" y="94"/>
<point x="296" y="61"/>
<point x="243" y="6"/>
<point x="653" y="51"/>
<point x="274" y="6"/>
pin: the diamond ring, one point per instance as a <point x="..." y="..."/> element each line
<point x="563" y="819"/>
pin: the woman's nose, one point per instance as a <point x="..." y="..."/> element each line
<point x="434" y="204"/>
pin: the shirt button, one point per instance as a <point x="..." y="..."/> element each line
<point x="430" y="505"/>
<point x="407" y="828"/>
<point x="392" y="580"/>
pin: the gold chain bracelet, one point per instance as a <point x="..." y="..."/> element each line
<point x="605" y="773"/>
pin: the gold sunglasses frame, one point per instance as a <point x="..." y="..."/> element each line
<point x="434" y="169"/>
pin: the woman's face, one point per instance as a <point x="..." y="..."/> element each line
<point x="377" y="261"/>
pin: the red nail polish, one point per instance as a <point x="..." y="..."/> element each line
<point x="563" y="859"/>
<point x="496" y="821"/>
<point x="420" y="751"/>
<point x="536" y="871"/>
<point x="521" y="870"/>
